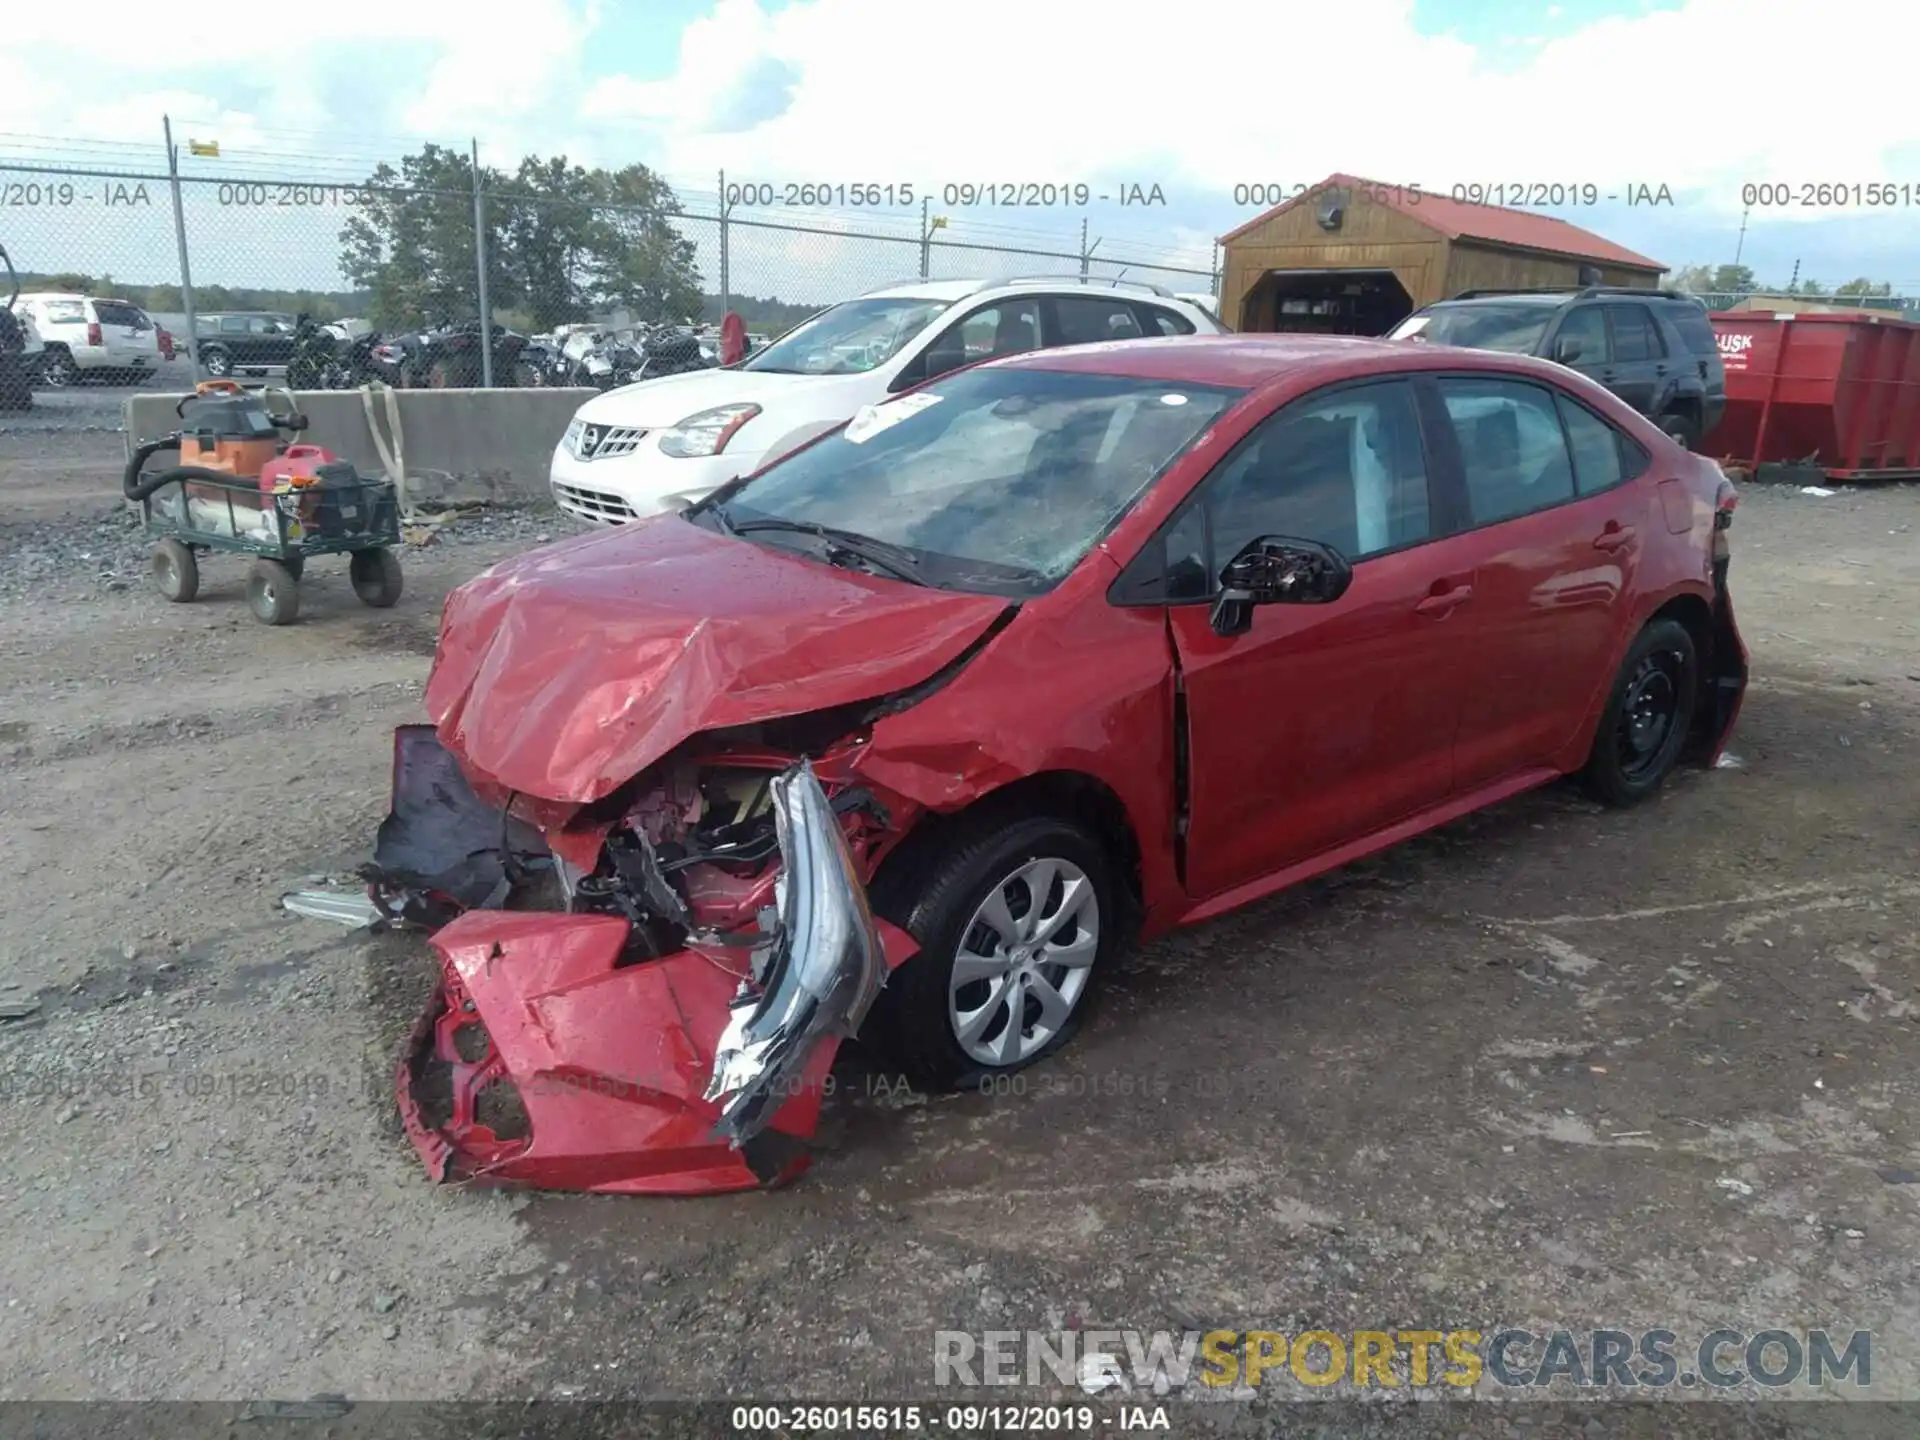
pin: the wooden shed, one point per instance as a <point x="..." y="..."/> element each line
<point x="1355" y="257"/>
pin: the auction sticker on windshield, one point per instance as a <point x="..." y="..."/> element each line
<point x="870" y="420"/>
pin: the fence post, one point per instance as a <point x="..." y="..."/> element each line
<point x="1085" y="254"/>
<point x="180" y="238"/>
<point x="726" y="292"/>
<point x="480" y="263"/>
<point x="926" y="236"/>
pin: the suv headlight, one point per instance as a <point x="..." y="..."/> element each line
<point x="706" y="433"/>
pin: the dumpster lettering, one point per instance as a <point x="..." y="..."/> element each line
<point x="1733" y="350"/>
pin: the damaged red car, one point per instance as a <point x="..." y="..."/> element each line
<point x="911" y="733"/>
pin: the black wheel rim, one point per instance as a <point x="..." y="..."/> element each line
<point x="1649" y="714"/>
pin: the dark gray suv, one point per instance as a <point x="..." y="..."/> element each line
<point x="1655" y="349"/>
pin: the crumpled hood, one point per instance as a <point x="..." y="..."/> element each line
<point x="564" y="672"/>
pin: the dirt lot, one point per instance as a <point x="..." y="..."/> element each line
<point x="1550" y="1067"/>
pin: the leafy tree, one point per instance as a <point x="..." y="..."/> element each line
<point x="552" y="239"/>
<point x="1865" y="288"/>
<point x="643" y="264"/>
<point x="1733" y="280"/>
<point x="411" y="241"/>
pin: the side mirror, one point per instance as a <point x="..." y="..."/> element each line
<point x="939" y="361"/>
<point x="1277" y="570"/>
<point x="1566" y="350"/>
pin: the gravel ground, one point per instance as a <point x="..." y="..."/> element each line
<point x="1550" y="1066"/>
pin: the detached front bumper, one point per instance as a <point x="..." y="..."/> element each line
<point x="554" y="1054"/>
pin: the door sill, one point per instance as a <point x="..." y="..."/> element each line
<point x="1252" y="890"/>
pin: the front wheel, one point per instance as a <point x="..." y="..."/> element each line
<point x="1014" y="921"/>
<point x="217" y="363"/>
<point x="1648" y="715"/>
<point x="273" y="594"/>
<point x="176" y="573"/>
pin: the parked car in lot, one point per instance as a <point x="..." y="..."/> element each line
<point x="1655" y="349"/>
<point x="661" y="444"/>
<point x="92" y="337"/>
<point x="1044" y="655"/>
<point x="253" y="345"/>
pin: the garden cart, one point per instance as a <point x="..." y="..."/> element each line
<point x="240" y="486"/>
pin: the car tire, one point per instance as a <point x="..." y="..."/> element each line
<point x="216" y="362"/>
<point x="376" y="577"/>
<point x="57" y="371"/>
<point x="176" y="574"/>
<point x="1680" y="429"/>
<point x="942" y="901"/>
<point x="272" y="593"/>
<point x="1648" y="715"/>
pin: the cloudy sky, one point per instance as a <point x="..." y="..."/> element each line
<point x="1697" y="96"/>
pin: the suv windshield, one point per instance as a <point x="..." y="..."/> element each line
<point x="1516" y="329"/>
<point x="849" y="338"/>
<point x="995" y="480"/>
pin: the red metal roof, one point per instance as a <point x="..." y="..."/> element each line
<point x="1462" y="220"/>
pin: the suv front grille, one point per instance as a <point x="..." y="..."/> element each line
<point x="605" y="442"/>
<point x="597" y="505"/>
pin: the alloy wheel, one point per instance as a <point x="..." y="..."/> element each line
<point x="1024" y="961"/>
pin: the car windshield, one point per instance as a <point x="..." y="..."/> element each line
<point x="849" y="338"/>
<point x="993" y="480"/>
<point x="1516" y="329"/>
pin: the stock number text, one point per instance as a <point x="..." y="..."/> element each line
<point x="1268" y="193"/>
<point x="240" y="192"/>
<point x="765" y="195"/>
<point x="1819" y="196"/>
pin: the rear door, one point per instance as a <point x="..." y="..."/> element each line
<point x="1089" y="320"/>
<point x="1639" y="356"/>
<point x="1558" y="530"/>
<point x="1321" y="723"/>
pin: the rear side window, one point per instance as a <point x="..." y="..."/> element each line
<point x="1511" y="445"/>
<point x="1599" y="458"/>
<point x="1084" y="320"/>
<point x="63" y="312"/>
<point x="115" y="312"/>
<point x="233" y="324"/>
<point x="1634" y="337"/>
<point x="1166" y="322"/>
<point x="1694" y="327"/>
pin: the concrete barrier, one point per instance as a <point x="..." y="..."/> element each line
<point x="494" y="445"/>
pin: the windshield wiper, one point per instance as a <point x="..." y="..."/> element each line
<point x="897" y="561"/>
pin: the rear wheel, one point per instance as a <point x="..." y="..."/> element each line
<point x="1681" y="430"/>
<point x="59" y="371"/>
<point x="1648" y="715"/>
<point x="376" y="577"/>
<point x="175" y="572"/>
<point x="217" y="362"/>
<point x="272" y="593"/>
<point x="1014" y="920"/>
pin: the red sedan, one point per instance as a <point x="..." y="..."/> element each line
<point x="911" y="733"/>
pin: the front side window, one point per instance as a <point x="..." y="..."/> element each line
<point x="233" y="324"/>
<point x="994" y="480"/>
<point x="849" y="339"/>
<point x="1346" y="468"/>
<point x="1511" y="446"/>
<point x="1586" y="328"/>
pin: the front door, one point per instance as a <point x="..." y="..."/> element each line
<point x="1322" y="723"/>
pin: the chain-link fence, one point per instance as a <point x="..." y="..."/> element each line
<point x="231" y="253"/>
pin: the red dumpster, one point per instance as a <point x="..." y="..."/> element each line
<point x="1841" y="392"/>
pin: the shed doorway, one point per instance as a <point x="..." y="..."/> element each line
<point x="1325" y="302"/>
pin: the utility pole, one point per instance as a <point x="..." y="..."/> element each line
<point x="480" y="260"/>
<point x="1741" y="243"/>
<point x="180" y="238"/>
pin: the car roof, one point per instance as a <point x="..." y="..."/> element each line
<point x="1545" y="299"/>
<point x="1248" y="361"/>
<point x="951" y="290"/>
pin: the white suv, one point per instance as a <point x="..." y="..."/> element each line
<point x="662" y="444"/>
<point x="92" y="335"/>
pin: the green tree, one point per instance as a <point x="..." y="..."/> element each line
<point x="1865" y="288"/>
<point x="1733" y="280"/>
<point x="552" y="239"/>
<point x="411" y="241"/>
<point x="642" y="263"/>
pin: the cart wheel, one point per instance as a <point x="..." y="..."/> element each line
<point x="175" y="571"/>
<point x="376" y="577"/>
<point x="272" y="593"/>
<point x="296" y="564"/>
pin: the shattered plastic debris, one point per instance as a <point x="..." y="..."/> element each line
<point x="1729" y="761"/>
<point x="1819" y="491"/>
<point x="340" y="907"/>
<point x="1735" y="1187"/>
